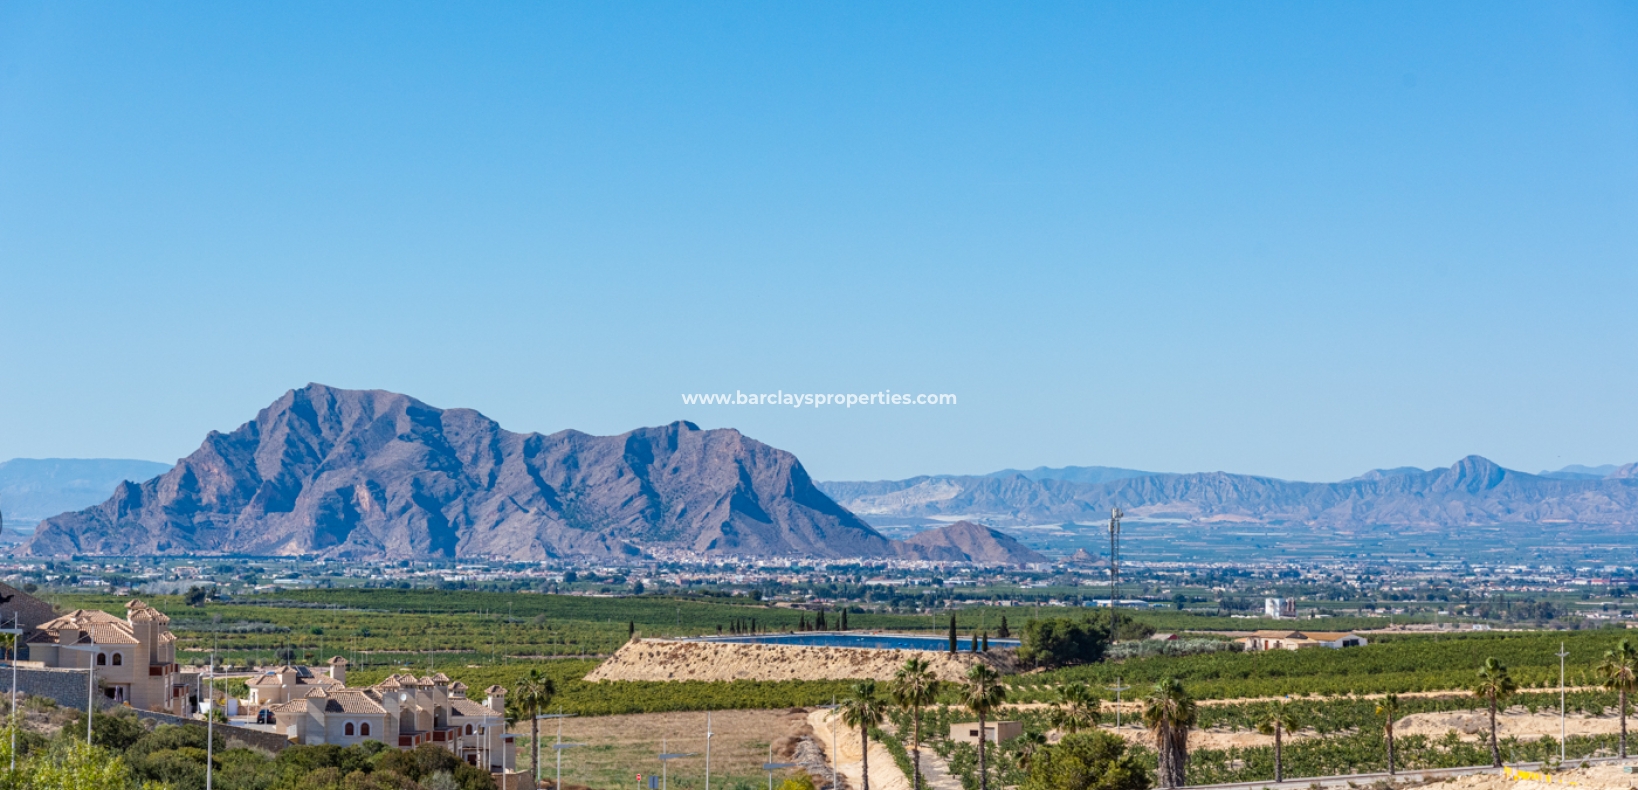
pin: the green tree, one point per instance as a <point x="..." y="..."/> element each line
<point x="863" y="708"/>
<point x="1276" y="720"/>
<point x="532" y="694"/>
<point x="1061" y="641"/>
<point x="1170" y="713"/>
<point x="1028" y="746"/>
<point x="71" y="764"/>
<point x="915" y="687"/>
<point x="1494" y="685"/>
<point x="1076" y="708"/>
<point x="1619" y="671"/>
<point x="1086" y="761"/>
<point x="1388" y="709"/>
<point x="983" y="695"/>
<point x="952" y="635"/>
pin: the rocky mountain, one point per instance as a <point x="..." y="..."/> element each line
<point x="1473" y="491"/>
<point x="372" y="474"/>
<point x="35" y="488"/>
<point x="965" y="541"/>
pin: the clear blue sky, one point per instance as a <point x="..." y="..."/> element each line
<point x="1301" y="239"/>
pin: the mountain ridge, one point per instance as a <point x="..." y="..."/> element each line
<point x="1473" y="491"/>
<point x="374" y="474"/>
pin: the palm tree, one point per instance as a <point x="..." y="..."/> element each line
<point x="1494" y="685"/>
<point x="1029" y="745"/>
<point x="533" y="694"/>
<point x="1388" y="709"/>
<point x="1277" y="720"/>
<point x="983" y="695"/>
<point x="1169" y="713"/>
<point x="863" y="708"/>
<point x="1076" y="709"/>
<point x="1620" y="672"/>
<point x="915" y="687"/>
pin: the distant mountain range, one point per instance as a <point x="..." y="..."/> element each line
<point x="35" y="488"/>
<point x="377" y="475"/>
<point x="1474" y="491"/>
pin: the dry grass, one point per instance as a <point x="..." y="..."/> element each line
<point x="621" y="747"/>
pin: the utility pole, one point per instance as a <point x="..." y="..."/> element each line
<point x="1561" y="728"/>
<point x="1117" y="688"/>
<point x="708" y="735"/>
<point x="1114" y="568"/>
<point x="665" y="759"/>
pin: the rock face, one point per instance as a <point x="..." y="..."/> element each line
<point x="1472" y="492"/>
<point x="965" y="541"/>
<point x="372" y="474"/>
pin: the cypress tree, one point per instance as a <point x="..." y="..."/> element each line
<point x="1002" y="631"/>
<point x="984" y="645"/>
<point x="973" y="646"/>
<point x="952" y="635"/>
<point x="844" y="619"/>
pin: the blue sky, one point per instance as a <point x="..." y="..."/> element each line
<point x="1301" y="240"/>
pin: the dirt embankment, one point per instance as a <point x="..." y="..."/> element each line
<point x="660" y="659"/>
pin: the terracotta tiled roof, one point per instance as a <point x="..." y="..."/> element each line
<point x="466" y="707"/>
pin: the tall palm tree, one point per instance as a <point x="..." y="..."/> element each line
<point x="1619" y="670"/>
<point x="1494" y="685"/>
<point x="915" y="687"/>
<point x="1076" y="708"/>
<point x="1277" y="720"/>
<point x="863" y="708"/>
<point x="1169" y="713"/>
<point x="983" y="695"/>
<point x="1388" y="709"/>
<point x="534" y="692"/>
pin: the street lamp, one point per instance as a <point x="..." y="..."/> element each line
<point x="557" y="747"/>
<point x="770" y="766"/>
<point x="1561" y="728"/>
<point x="90" y="684"/>
<point x="16" y="640"/>
<point x="1117" y="688"/>
<point x="666" y="758"/>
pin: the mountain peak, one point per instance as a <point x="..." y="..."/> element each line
<point x="966" y="541"/>
<point x="376" y="474"/>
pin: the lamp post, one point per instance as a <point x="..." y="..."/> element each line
<point x="16" y="640"/>
<point x="770" y="766"/>
<point x="708" y="735"/>
<point x="557" y="747"/>
<point x="1117" y="688"/>
<point x="1561" y="728"/>
<point x="90" y="683"/>
<point x="665" y="759"/>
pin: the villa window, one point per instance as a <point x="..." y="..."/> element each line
<point x="348" y="730"/>
<point x="119" y="659"/>
<point x="468" y="729"/>
<point x="102" y="659"/>
<point x="364" y="729"/>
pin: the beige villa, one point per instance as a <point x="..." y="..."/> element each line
<point x="402" y="711"/>
<point x="134" y="659"/>
<point x="1296" y="640"/>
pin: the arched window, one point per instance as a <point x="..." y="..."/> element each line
<point x="364" y="729"/>
<point x="102" y="659"/>
<point x="348" y="730"/>
<point x="468" y="729"/>
<point x="119" y="659"/>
